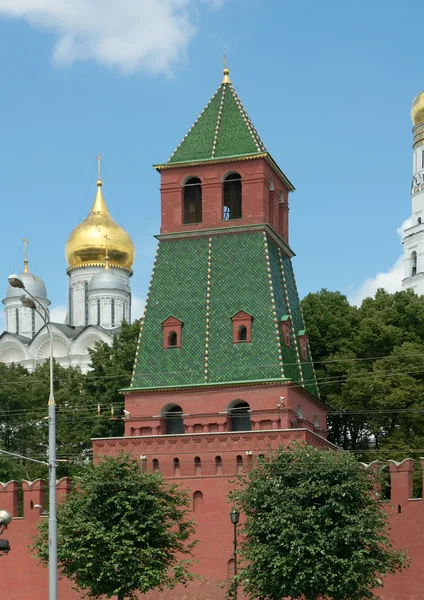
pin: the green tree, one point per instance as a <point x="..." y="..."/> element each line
<point x="23" y="407"/>
<point x="314" y="528"/>
<point x="370" y="366"/>
<point x="122" y="530"/>
<point x="111" y="370"/>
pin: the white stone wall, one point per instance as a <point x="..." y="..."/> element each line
<point x="25" y="320"/>
<point x="78" y="278"/>
<point x="105" y="297"/>
<point x="413" y="235"/>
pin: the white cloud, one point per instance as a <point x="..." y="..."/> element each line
<point x="137" y="307"/>
<point x="151" y="35"/>
<point x="390" y="280"/>
<point x="58" y="313"/>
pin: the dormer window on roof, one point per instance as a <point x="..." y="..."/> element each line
<point x="172" y="328"/>
<point x="242" y="327"/>
<point x="286" y="329"/>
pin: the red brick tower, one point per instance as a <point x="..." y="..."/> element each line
<point x="223" y="369"/>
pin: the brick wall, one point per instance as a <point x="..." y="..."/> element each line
<point x="23" y="579"/>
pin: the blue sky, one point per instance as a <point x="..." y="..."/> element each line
<point x="327" y="84"/>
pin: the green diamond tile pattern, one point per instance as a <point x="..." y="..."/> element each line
<point x="179" y="289"/>
<point x="239" y="282"/>
<point x="289" y="354"/>
<point x="225" y="121"/>
<point x="298" y="322"/>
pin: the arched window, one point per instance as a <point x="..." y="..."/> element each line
<point x="173" y="417"/>
<point x="33" y="322"/>
<point x="86" y="302"/>
<point x="316" y="423"/>
<point x="242" y="333"/>
<point x="413" y="263"/>
<point x="232" y="197"/>
<point x="218" y="465"/>
<point x="98" y="311"/>
<point x="17" y="319"/>
<point x="172" y="339"/>
<point x="239" y="463"/>
<point x="192" y="201"/>
<point x="239" y="412"/>
<point x="155" y="465"/>
<point x="299" y="412"/>
<point x="197" y="502"/>
<point x="177" y="471"/>
<point x="197" y="466"/>
<point x="112" y="312"/>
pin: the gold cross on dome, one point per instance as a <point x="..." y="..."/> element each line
<point x="25" y="241"/>
<point x="99" y="160"/>
<point x="224" y="60"/>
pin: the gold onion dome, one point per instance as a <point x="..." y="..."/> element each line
<point x="97" y="236"/>
<point x="417" y="110"/>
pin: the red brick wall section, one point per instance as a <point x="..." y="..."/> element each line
<point x="259" y="204"/>
<point x="206" y="410"/>
<point x="23" y="579"/>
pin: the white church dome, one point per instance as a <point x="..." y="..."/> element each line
<point x="33" y="284"/>
<point x="107" y="280"/>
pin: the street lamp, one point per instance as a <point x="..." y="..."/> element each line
<point x="235" y="516"/>
<point x="31" y="302"/>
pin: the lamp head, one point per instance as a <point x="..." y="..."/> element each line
<point x="16" y="282"/>
<point x="5" y="517"/>
<point x="28" y="302"/>
<point x="234" y="516"/>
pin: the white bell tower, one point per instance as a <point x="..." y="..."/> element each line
<point x="413" y="235"/>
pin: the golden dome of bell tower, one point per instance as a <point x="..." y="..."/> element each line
<point x="417" y="110"/>
<point x="86" y="245"/>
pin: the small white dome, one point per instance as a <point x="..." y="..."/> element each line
<point x="33" y="284"/>
<point x="107" y="280"/>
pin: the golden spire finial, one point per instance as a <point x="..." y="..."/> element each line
<point x="226" y="71"/>
<point x="26" y="269"/>
<point x="99" y="160"/>
<point x="107" y="238"/>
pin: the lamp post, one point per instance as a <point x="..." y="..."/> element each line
<point x="235" y="516"/>
<point x="31" y="302"/>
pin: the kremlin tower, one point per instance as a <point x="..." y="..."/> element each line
<point x="223" y="369"/>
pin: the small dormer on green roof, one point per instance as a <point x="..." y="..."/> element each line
<point x="285" y="318"/>
<point x="223" y="130"/>
<point x="301" y="332"/>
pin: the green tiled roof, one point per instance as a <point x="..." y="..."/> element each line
<point x="194" y="279"/>
<point x="223" y="130"/>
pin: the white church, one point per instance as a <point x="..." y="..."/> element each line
<point x="100" y="255"/>
<point x="413" y="235"/>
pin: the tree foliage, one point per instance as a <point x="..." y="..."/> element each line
<point x="122" y="530"/>
<point x="23" y="407"/>
<point x="370" y="367"/>
<point x="314" y="528"/>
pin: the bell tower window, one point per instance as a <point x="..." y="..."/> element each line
<point x="192" y="208"/>
<point x="232" y="197"/>
<point x="413" y="263"/>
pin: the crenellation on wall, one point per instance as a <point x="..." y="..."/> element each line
<point x="9" y="497"/>
<point x="401" y="480"/>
